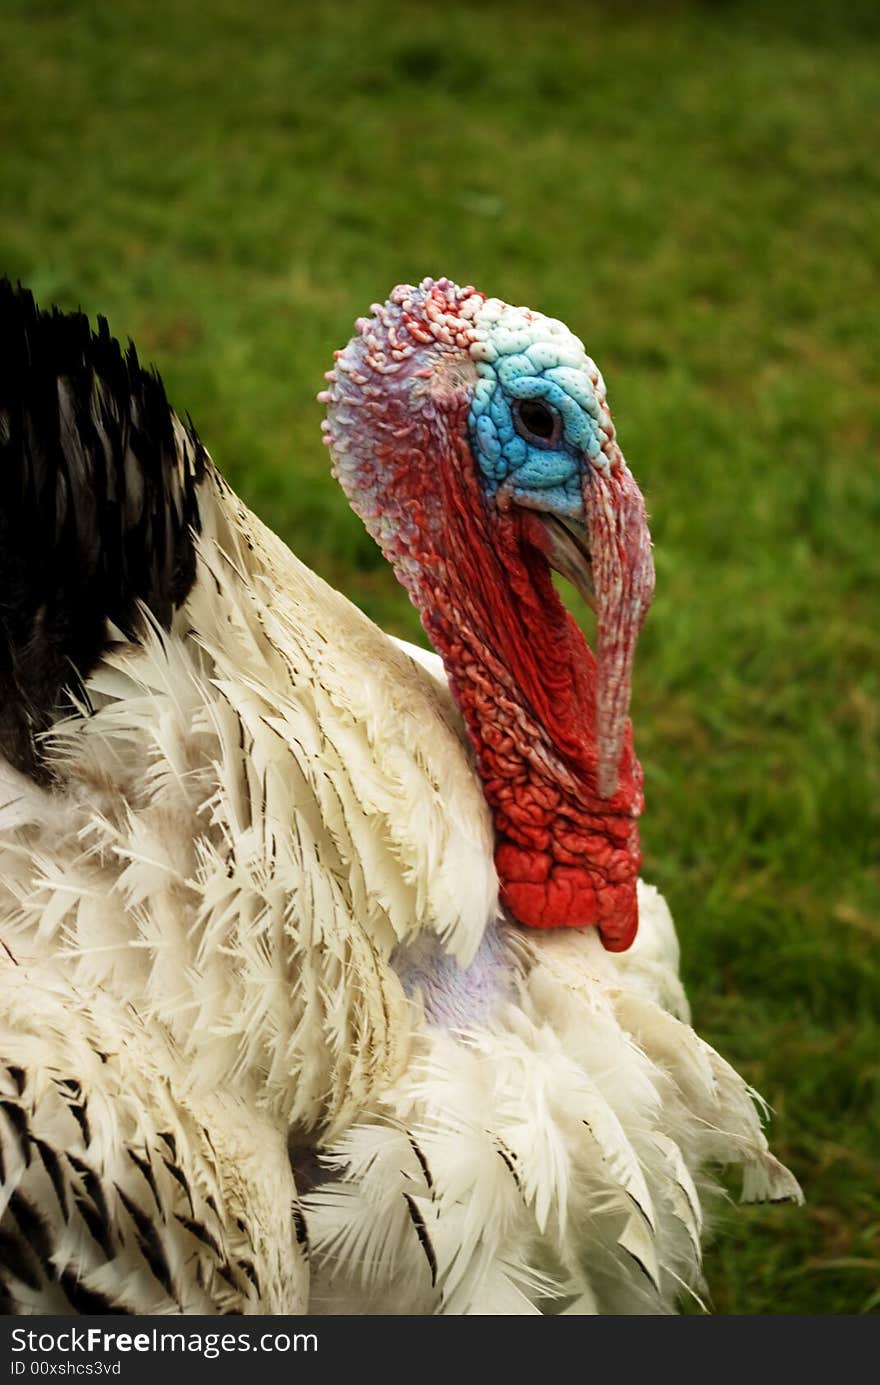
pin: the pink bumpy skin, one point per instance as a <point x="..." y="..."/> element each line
<point x="475" y="442"/>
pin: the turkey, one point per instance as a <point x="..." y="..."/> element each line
<point x="329" y="982"/>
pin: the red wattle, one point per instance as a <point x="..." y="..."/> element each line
<point x="541" y="893"/>
<point x="525" y="679"/>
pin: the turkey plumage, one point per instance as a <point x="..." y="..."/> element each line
<point x="268" y="1042"/>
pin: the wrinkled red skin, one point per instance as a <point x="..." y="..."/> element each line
<point x="565" y="856"/>
<point x="518" y="665"/>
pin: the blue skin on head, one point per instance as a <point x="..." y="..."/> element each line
<point x="540" y="473"/>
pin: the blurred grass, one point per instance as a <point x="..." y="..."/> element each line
<point x="692" y="187"/>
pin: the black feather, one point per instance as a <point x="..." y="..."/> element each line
<point x="34" y="1230"/>
<point x="178" y="1175"/>
<point x="146" y="1169"/>
<point x="150" y="1243"/>
<point x="201" y="1233"/>
<point x="18" y="1076"/>
<point x="52" y="1165"/>
<point x="301" y="1229"/>
<point x="247" y="1268"/>
<point x="98" y="505"/>
<point x="80" y="1115"/>
<point x="93" y="1207"/>
<point x="19" y="1122"/>
<point x="418" y="1222"/>
<point x="86" y="1301"/>
<point x="423" y="1164"/>
<point x="16" y="1260"/>
<point x="169" y="1141"/>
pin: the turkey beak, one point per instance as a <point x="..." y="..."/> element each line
<point x="567" y="548"/>
<point x="609" y="563"/>
<point x="622" y="578"/>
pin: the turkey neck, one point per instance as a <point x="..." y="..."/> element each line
<point x="518" y="665"/>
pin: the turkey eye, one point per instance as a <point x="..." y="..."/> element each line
<point x="536" y="421"/>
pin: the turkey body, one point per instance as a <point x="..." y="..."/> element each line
<point x="268" y="1042"/>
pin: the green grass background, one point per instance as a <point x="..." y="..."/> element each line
<point x="693" y="188"/>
